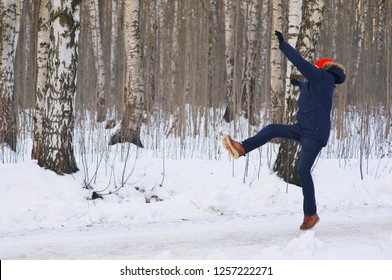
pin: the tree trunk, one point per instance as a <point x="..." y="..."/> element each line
<point x="249" y="78"/>
<point x="287" y="161"/>
<point x="42" y="72"/>
<point x="113" y="49"/>
<point x="181" y="66"/>
<point x="388" y="34"/>
<point x="295" y="17"/>
<point x="134" y="85"/>
<point x="96" y="39"/>
<point x="229" y="37"/>
<point x="58" y="124"/>
<point x="9" y="18"/>
<point x="263" y="83"/>
<point x="277" y="81"/>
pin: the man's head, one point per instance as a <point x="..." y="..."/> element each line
<point x="337" y="69"/>
<point x="320" y="63"/>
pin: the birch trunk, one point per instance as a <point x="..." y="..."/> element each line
<point x="162" y="52"/>
<point x="295" y="17"/>
<point x="263" y="80"/>
<point x="8" y="38"/>
<point x="58" y="124"/>
<point x="98" y="59"/>
<point x="134" y="84"/>
<point x="181" y="65"/>
<point x="229" y="37"/>
<point x="150" y="39"/>
<point x="287" y="161"/>
<point x="42" y="72"/>
<point x="249" y="74"/>
<point x="388" y="34"/>
<point x="277" y="81"/>
<point x="113" y="49"/>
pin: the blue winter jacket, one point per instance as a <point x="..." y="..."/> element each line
<point x="315" y="99"/>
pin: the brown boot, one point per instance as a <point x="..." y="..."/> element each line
<point x="309" y="222"/>
<point x="234" y="148"/>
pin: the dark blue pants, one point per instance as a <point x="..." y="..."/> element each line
<point x="310" y="148"/>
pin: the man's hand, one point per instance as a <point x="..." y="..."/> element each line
<point x="280" y="36"/>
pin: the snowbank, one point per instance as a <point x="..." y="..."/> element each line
<point x="260" y="217"/>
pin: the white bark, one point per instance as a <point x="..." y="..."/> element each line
<point x="134" y="83"/>
<point x="295" y="17"/>
<point x="229" y="38"/>
<point x="9" y="13"/>
<point x="42" y="72"/>
<point x="99" y="60"/>
<point x="134" y="77"/>
<point x="229" y="26"/>
<point x="57" y="154"/>
<point x="8" y="50"/>
<point x="277" y="82"/>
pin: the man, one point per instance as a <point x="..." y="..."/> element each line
<point x="313" y="122"/>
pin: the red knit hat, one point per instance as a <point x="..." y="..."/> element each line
<point x="320" y="63"/>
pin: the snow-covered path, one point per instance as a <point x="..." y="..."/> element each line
<point x="350" y="234"/>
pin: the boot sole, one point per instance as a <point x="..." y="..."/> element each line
<point x="226" y="142"/>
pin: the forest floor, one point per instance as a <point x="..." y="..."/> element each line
<point x="194" y="209"/>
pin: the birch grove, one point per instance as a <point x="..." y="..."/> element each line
<point x="186" y="70"/>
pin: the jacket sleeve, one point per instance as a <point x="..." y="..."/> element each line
<point x="307" y="69"/>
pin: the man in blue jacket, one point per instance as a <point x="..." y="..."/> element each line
<point x="313" y="122"/>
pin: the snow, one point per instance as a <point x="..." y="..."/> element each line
<point x="192" y="209"/>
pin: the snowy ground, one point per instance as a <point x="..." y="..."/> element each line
<point x="203" y="210"/>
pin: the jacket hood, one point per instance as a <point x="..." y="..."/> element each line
<point x="337" y="70"/>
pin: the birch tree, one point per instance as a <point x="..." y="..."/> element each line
<point x="149" y="46"/>
<point x="113" y="46"/>
<point x="295" y="17"/>
<point x="277" y="81"/>
<point x="230" y="45"/>
<point x="58" y="122"/>
<point x="134" y="84"/>
<point x="388" y="34"/>
<point x="182" y="23"/>
<point x="287" y="160"/>
<point x="25" y="66"/>
<point x="96" y="39"/>
<point x="263" y="75"/>
<point x="43" y="40"/>
<point x="249" y="73"/>
<point x="9" y="28"/>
